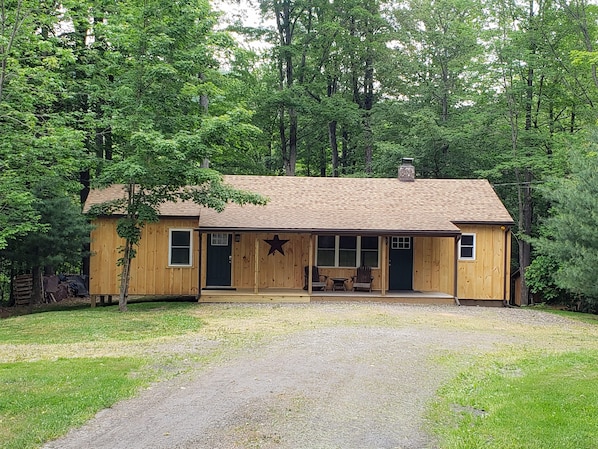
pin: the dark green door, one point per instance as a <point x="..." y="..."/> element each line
<point x="400" y="269"/>
<point x="219" y="257"/>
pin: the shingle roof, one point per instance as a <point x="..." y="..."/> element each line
<point x="179" y="209"/>
<point x="346" y="205"/>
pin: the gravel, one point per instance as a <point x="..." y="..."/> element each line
<point x="362" y="386"/>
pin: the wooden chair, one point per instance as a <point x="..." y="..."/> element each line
<point x="318" y="281"/>
<point x="363" y="279"/>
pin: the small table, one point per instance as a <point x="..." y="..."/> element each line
<point x="338" y="283"/>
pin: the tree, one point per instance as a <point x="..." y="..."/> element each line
<point x="570" y="234"/>
<point x="61" y="244"/>
<point x="39" y="145"/>
<point x="161" y="61"/>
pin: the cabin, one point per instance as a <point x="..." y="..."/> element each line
<point x="422" y="241"/>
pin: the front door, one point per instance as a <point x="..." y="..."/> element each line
<point x="219" y="258"/>
<point x="400" y="264"/>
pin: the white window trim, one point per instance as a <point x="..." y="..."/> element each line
<point x="170" y="231"/>
<point x="337" y="239"/>
<point x="473" y="247"/>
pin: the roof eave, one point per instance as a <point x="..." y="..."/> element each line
<point x="487" y="223"/>
<point x="323" y="231"/>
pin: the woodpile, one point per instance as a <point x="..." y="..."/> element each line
<point x="22" y="289"/>
<point x="55" y="288"/>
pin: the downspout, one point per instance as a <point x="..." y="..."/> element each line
<point x="506" y="301"/>
<point x="456" y="273"/>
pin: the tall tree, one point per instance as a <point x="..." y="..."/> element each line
<point x="540" y="97"/>
<point x="570" y="235"/>
<point x="38" y="140"/>
<point x="161" y="60"/>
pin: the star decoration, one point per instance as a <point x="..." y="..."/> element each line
<point x="276" y="245"/>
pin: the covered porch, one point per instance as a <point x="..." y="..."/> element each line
<point x="250" y="271"/>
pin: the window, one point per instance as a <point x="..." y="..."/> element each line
<point x="400" y="243"/>
<point x="180" y="246"/>
<point x="369" y="251"/>
<point x="347" y="251"/>
<point x="467" y="247"/>
<point x="219" y="240"/>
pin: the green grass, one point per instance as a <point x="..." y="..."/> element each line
<point x="585" y="317"/>
<point x="42" y="400"/>
<point x="539" y="401"/>
<point x="142" y="321"/>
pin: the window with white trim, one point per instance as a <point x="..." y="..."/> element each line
<point x="467" y="247"/>
<point x="398" y="242"/>
<point x="180" y="246"/>
<point x="347" y="251"/>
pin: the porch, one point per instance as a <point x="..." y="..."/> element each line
<point x="302" y="296"/>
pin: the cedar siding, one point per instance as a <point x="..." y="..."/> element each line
<point x="150" y="273"/>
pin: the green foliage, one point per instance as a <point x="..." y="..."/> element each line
<point x="65" y="232"/>
<point x="533" y="402"/>
<point x="570" y="233"/>
<point x="540" y="279"/>
<point x="37" y="141"/>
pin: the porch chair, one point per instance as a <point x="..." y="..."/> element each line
<point x="318" y="281"/>
<point x="363" y="279"/>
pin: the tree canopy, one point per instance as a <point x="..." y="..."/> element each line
<point x="150" y="93"/>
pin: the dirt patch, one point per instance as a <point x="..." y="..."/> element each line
<point x="341" y="376"/>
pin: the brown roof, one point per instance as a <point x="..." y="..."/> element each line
<point x="348" y="205"/>
<point x="179" y="209"/>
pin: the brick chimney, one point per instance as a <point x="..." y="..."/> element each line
<point x="407" y="170"/>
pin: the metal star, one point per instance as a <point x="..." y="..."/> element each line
<point x="276" y="245"/>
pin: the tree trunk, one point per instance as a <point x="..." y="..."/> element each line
<point x="286" y="80"/>
<point x="37" y="293"/>
<point x="525" y="226"/>
<point x="292" y="161"/>
<point x="125" y="276"/>
<point x="525" y="187"/>
<point x="334" y="147"/>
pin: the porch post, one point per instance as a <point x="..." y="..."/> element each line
<point x="256" y="279"/>
<point x="310" y="263"/>
<point x="456" y="273"/>
<point x="384" y="267"/>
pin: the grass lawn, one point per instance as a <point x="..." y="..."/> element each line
<point x="538" y="401"/>
<point x="44" y="399"/>
<point x="57" y="369"/>
<point x="48" y="387"/>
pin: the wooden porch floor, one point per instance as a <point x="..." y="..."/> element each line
<point x="301" y="296"/>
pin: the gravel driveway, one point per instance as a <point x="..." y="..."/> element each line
<point x="344" y="386"/>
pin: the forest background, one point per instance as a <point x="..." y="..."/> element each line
<point x="94" y="92"/>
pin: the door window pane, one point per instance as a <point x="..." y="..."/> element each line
<point x="219" y="240"/>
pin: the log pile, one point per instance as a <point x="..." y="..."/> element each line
<point x="55" y="288"/>
<point x="22" y="289"/>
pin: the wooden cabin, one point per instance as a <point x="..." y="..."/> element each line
<point x="426" y="240"/>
